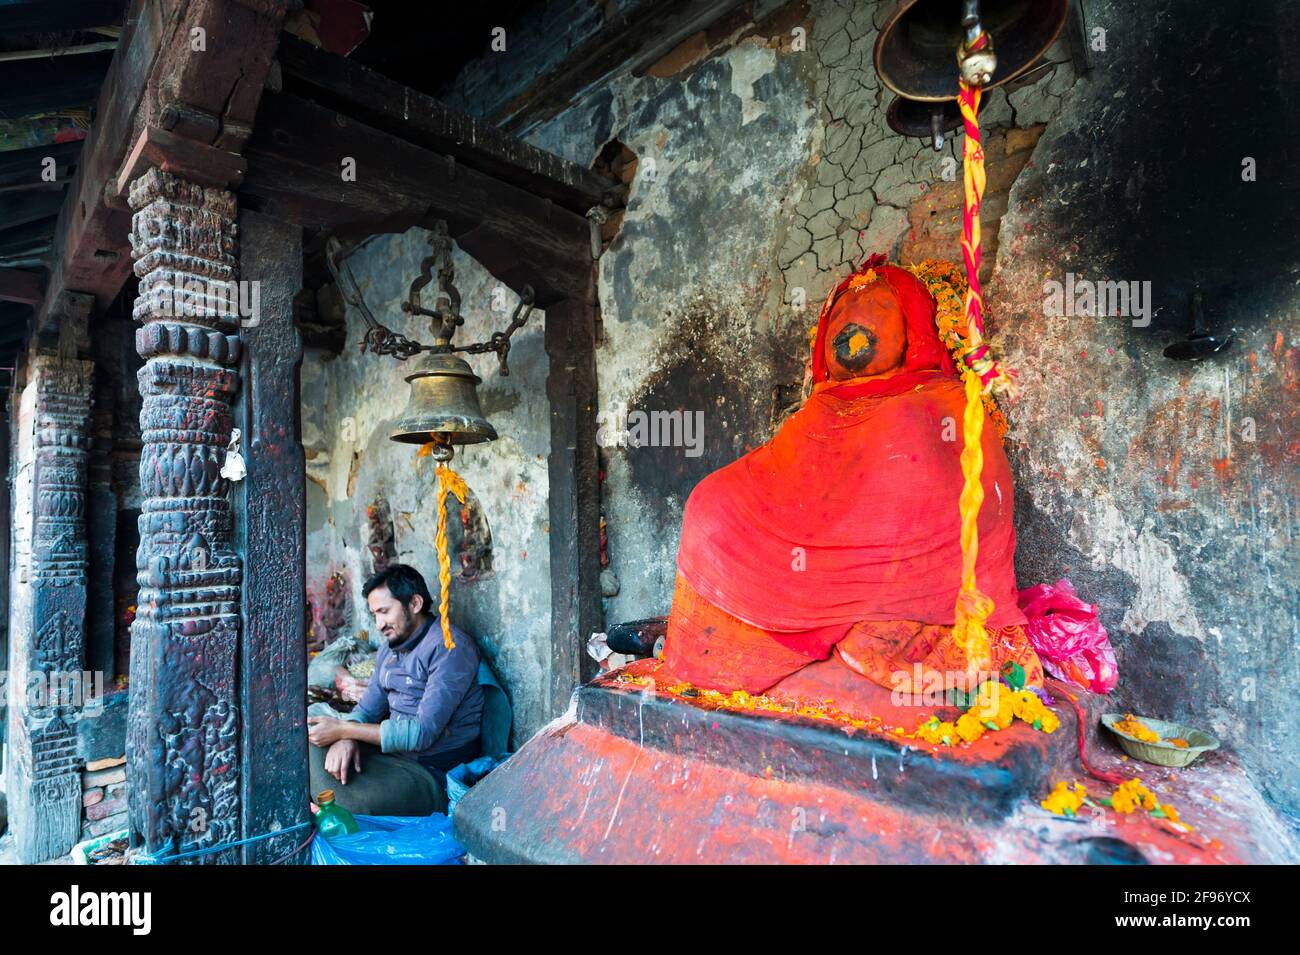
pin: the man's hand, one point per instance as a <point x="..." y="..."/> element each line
<point x="325" y="730"/>
<point x="342" y="759"/>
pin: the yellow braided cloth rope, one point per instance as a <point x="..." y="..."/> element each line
<point x="973" y="607"/>
<point x="448" y="482"/>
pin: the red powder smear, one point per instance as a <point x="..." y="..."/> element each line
<point x="1225" y="469"/>
<point x="1100" y="412"/>
<point x="1101" y="463"/>
<point x="1254" y="362"/>
<point x="1171" y="477"/>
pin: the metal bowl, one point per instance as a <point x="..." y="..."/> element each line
<point x="1162" y="753"/>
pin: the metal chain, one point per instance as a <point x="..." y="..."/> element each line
<point x="379" y="339"/>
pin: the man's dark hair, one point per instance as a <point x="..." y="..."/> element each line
<point x="403" y="582"/>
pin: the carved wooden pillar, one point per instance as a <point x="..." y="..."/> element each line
<point x="183" y="727"/>
<point x="48" y="609"/>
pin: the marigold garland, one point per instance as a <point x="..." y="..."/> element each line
<point x="995" y="708"/>
<point x="947" y="286"/>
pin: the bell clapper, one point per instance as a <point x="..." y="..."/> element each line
<point x="443" y="450"/>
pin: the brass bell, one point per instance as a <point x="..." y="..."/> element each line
<point x="916" y="52"/>
<point x="443" y="401"/>
<point x="910" y="117"/>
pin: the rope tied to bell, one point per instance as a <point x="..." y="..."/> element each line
<point x="982" y="374"/>
<point x="449" y="482"/>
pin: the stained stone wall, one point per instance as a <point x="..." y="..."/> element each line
<point x="766" y="171"/>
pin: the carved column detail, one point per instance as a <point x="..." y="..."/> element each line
<point x="183" y="727"/>
<point x="48" y="614"/>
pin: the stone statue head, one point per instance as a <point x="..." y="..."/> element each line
<point x="866" y="332"/>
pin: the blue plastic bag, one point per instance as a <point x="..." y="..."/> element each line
<point x="392" y="840"/>
<point x="462" y="777"/>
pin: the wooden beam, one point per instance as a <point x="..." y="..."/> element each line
<point x="27" y="164"/>
<point x="92" y="249"/>
<point x="574" y="491"/>
<point x="35" y="86"/>
<point x="197" y="162"/>
<point x="22" y="239"/>
<point x="296" y="163"/>
<point x="163" y="98"/>
<point x="271" y="533"/>
<point x="354" y="90"/>
<point x="23" y="207"/>
<point x="18" y="285"/>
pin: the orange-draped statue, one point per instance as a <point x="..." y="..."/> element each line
<point x="841" y="534"/>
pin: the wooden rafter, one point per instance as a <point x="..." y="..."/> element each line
<point x="356" y="91"/>
<point x="295" y="171"/>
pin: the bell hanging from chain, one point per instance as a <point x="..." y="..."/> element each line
<point x="443" y="401"/>
<point x="443" y="405"/>
<point x="916" y="52"/>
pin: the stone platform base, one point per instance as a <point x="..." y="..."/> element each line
<point x="636" y="774"/>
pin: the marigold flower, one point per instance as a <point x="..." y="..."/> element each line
<point x="1132" y="795"/>
<point x="1065" y="800"/>
<point x="938" y="733"/>
<point x="969" y="727"/>
<point x="1027" y="706"/>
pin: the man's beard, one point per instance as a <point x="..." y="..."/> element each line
<point x="404" y="630"/>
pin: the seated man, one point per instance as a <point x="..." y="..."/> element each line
<point x="842" y="533"/>
<point x="430" y="696"/>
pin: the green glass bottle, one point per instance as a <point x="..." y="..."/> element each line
<point x="333" y="820"/>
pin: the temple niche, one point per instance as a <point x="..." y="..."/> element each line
<point x="847" y="432"/>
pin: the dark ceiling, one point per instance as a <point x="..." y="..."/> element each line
<point x="53" y="58"/>
<point x="424" y="46"/>
<point x="54" y="55"/>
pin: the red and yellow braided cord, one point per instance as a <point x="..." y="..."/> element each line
<point x="973" y="606"/>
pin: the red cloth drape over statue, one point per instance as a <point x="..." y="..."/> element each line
<point x="848" y="515"/>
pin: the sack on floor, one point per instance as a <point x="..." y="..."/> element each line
<point x="320" y="671"/>
<point x="392" y="840"/>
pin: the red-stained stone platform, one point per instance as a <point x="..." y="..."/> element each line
<point x="635" y="774"/>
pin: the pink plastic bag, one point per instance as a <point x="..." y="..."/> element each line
<point x="1069" y="637"/>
